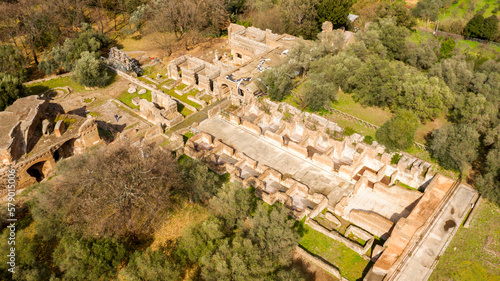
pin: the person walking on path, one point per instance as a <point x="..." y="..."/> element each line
<point x="116" y="117"/>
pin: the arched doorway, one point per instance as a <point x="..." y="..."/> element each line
<point x="66" y="150"/>
<point x="37" y="171"/>
<point x="225" y="90"/>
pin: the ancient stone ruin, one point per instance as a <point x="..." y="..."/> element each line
<point x="121" y="61"/>
<point x="252" y="51"/>
<point x="33" y="139"/>
<point x="162" y="110"/>
<point x="306" y="163"/>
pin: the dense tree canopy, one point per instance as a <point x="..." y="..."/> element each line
<point x="235" y="245"/>
<point x="482" y="28"/>
<point x="82" y="259"/>
<point x="96" y="221"/>
<point x="429" y="9"/>
<point x="200" y="183"/>
<point x="399" y="132"/>
<point x="334" y="11"/>
<point x="150" y="266"/>
<point x="64" y="58"/>
<point x="12" y="62"/>
<point x="121" y="192"/>
<point x="276" y="82"/>
<point x="398" y="10"/>
<point x="11" y="88"/>
<point x="299" y="17"/>
<point x="90" y="71"/>
<point x="455" y="146"/>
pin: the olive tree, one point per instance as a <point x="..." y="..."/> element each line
<point x="89" y="71"/>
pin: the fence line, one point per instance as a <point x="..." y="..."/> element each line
<point x="458" y="36"/>
<point x="365" y="123"/>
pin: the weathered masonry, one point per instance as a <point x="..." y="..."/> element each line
<point x="33" y="139"/>
<point x="303" y="161"/>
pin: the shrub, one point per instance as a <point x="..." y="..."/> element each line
<point x="399" y="132"/>
<point x="90" y="71"/>
<point x="395" y="158"/>
<point x="348" y="131"/>
<point x="368" y="140"/>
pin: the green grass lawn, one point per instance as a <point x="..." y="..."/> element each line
<point x="153" y="71"/>
<point x="474" y="253"/>
<point x="183" y="98"/>
<point x="167" y="82"/>
<point x="459" y="9"/>
<point x="126" y="98"/>
<point x="358" y="128"/>
<point x="466" y="46"/>
<point x="183" y="110"/>
<point x="346" y="103"/>
<point x="477" y="48"/>
<point x="39" y="88"/>
<point x="146" y="80"/>
<point x="418" y="36"/>
<point x="350" y="264"/>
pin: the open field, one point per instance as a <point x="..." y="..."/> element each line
<point x="39" y="88"/>
<point x="349" y="263"/>
<point x="375" y="115"/>
<point x="460" y="8"/>
<point x="358" y="128"/>
<point x="466" y="46"/>
<point x="346" y="103"/>
<point x="183" y="98"/>
<point x="474" y="253"/>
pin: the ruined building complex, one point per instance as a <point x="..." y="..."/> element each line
<point x="232" y="75"/>
<point x="301" y="160"/>
<point x="34" y="136"/>
<point x="305" y="162"/>
<point x="119" y="60"/>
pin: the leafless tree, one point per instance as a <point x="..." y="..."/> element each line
<point x="122" y="191"/>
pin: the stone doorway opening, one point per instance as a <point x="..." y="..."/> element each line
<point x="36" y="171"/>
<point x="66" y="150"/>
<point x="225" y="91"/>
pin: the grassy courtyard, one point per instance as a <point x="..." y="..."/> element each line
<point x="474" y="253"/>
<point x="349" y="263"/>
<point x="126" y="98"/>
<point x="182" y="98"/>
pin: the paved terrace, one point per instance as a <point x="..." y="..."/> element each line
<point x="279" y="158"/>
<point x="425" y="256"/>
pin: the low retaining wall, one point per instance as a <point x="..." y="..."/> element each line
<point x="337" y="237"/>
<point x="319" y="263"/>
<point x="152" y="88"/>
<point x="473" y="212"/>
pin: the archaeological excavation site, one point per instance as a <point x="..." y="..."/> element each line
<point x="392" y="209"/>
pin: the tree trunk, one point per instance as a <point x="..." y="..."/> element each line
<point x="34" y="54"/>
